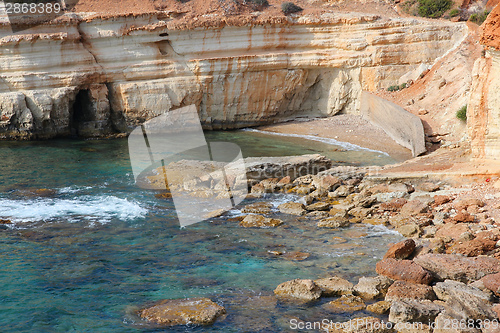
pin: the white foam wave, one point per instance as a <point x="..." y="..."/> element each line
<point x="342" y="144"/>
<point x="100" y="208"/>
<point x="73" y="189"/>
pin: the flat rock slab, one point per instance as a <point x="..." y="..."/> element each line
<point x="259" y="221"/>
<point x="414" y="311"/>
<point x="402" y="290"/>
<point x="335" y="286"/>
<point x="459" y="268"/>
<point x="199" y="311"/>
<point x="405" y="270"/>
<point x="292" y="208"/>
<point x="304" y="290"/>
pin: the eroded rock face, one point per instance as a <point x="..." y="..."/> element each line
<point x="129" y="69"/>
<point x="259" y="221"/>
<point x="293" y="208"/>
<point x="372" y="287"/>
<point x="401" y="250"/>
<point x="401" y="290"/>
<point x="459" y="268"/>
<point x="403" y="311"/>
<point x="303" y="290"/>
<point x="405" y="270"/>
<point x="465" y="302"/>
<point x="198" y="311"/>
<point x="335" y="286"/>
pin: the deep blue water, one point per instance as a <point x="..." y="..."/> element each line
<point x="96" y="248"/>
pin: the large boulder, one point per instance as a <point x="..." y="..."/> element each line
<point x="402" y="290"/>
<point x="401" y="250"/>
<point x="292" y="208"/>
<point x="335" y="286"/>
<point x="372" y="287"/>
<point x="465" y="302"/>
<point x="199" y="311"/>
<point x="424" y="311"/>
<point x="304" y="290"/>
<point x="405" y="270"/>
<point x="459" y="268"/>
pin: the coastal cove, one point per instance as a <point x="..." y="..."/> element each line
<point x="92" y="248"/>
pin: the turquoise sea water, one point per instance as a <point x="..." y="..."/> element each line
<point x="91" y="251"/>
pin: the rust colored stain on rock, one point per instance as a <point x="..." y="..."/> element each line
<point x="405" y="270"/>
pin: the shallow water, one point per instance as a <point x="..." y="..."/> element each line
<point x="87" y="256"/>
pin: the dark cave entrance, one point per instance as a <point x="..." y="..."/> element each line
<point x="82" y="112"/>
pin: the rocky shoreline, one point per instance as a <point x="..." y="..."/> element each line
<point x="444" y="276"/>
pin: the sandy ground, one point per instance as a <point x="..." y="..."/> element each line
<point x="347" y="128"/>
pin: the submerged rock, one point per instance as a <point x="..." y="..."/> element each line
<point x="199" y="311"/>
<point x="305" y="290"/>
<point x="259" y="221"/>
<point x="346" y="303"/>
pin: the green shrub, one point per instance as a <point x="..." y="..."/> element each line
<point x="393" y="88"/>
<point x="479" y="18"/>
<point x="462" y="113"/>
<point x="403" y="86"/>
<point x="454" y="12"/>
<point x="433" y="8"/>
<point x="290" y="8"/>
<point x="259" y="4"/>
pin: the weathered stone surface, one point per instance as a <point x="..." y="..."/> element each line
<point x="346" y="303"/>
<point x="482" y="244"/>
<point x="380" y="308"/>
<point x="452" y="231"/>
<point x="405" y="270"/>
<point x="372" y="287"/>
<point x="318" y="206"/>
<point x="402" y="290"/>
<point x="333" y="223"/>
<point x="198" y="311"/>
<point x="335" y="286"/>
<point x="328" y="182"/>
<point x="394" y="205"/>
<point x="414" y="207"/>
<point x="428" y="187"/>
<point x="259" y="221"/>
<point x="401" y="250"/>
<point x="414" y="311"/>
<point x="444" y="324"/>
<point x="464" y="302"/>
<point x="463" y="204"/>
<point x="463" y="217"/>
<point x="492" y="282"/>
<point x="257" y="208"/>
<point x="459" y="268"/>
<point x="343" y="191"/>
<point x="305" y="290"/>
<point x="293" y="208"/>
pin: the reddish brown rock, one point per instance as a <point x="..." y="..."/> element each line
<point x="492" y="282"/>
<point x="462" y="204"/>
<point x="452" y="231"/>
<point x="491" y="32"/>
<point x="463" y="217"/>
<point x="199" y="311"/>
<point x="482" y="244"/>
<point x="401" y="250"/>
<point x="414" y="207"/>
<point x="285" y="181"/>
<point x="329" y="183"/>
<point x="394" y="205"/>
<point x="402" y="290"/>
<point x="405" y="270"/>
<point x="457" y="267"/>
<point x="441" y="200"/>
<point x="496" y="308"/>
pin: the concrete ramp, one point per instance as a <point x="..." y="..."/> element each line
<point x="402" y="126"/>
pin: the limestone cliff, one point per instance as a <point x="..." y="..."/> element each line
<point x="483" y="113"/>
<point x="94" y="76"/>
